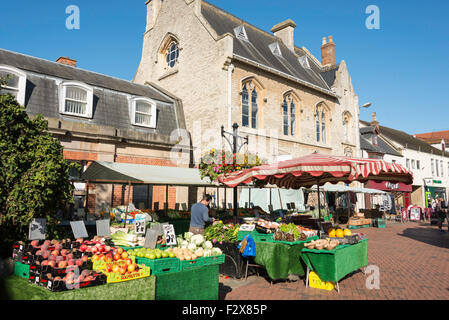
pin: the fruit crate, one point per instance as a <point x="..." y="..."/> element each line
<point x="161" y="266"/>
<point x="242" y="234"/>
<point x="59" y="285"/>
<point x="379" y="223"/>
<point x="22" y="270"/>
<point x="42" y="271"/>
<point x="102" y="265"/>
<point x="192" y="264"/>
<point x="260" y="237"/>
<point x="317" y="283"/>
<point x="129" y="248"/>
<point x="208" y="261"/>
<point x="144" y="272"/>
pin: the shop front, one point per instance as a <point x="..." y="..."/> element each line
<point x="434" y="189"/>
<point x="402" y="192"/>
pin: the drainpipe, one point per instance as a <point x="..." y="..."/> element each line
<point x="230" y="71"/>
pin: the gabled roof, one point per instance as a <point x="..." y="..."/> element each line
<point x="382" y="147"/>
<point x="257" y="48"/>
<point x="407" y="140"/>
<point x="434" y="137"/>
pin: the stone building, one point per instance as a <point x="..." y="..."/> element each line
<point x="228" y="71"/>
<point x="98" y="118"/>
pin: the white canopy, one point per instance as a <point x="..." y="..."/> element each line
<point x="341" y="189"/>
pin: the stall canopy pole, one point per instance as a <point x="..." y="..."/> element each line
<point x="349" y="207"/>
<point x="280" y="199"/>
<point x="319" y="200"/>
<point x="166" y="199"/>
<point x="127" y="206"/>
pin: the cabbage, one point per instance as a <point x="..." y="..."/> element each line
<point x="188" y="235"/>
<point x="207" y="245"/>
<point x="216" y="252"/>
<point x="197" y="239"/>
<point x="191" y="247"/>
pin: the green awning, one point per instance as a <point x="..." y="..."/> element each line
<point x="118" y="173"/>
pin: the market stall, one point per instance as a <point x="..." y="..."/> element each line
<point x="318" y="170"/>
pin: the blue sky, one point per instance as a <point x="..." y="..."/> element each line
<point x="402" y="69"/>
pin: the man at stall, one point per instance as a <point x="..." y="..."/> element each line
<point x="199" y="215"/>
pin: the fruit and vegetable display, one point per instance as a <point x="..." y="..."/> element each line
<point x="195" y="246"/>
<point x="151" y="254"/>
<point x="130" y="239"/>
<point x="220" y="232"/>
<point x="293" y="233"/>
<point x="324" y="244"/>
<point x="268" y="224"/>
<point x="339" y="233"/>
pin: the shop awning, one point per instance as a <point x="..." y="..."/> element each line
<point x="118" y="173"/>
<point x="343" y="189"/>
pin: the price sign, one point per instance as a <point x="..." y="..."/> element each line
<point x="37" y="229"/>
<point x="103" y="228"/>
<point x="247" y="227"/>
<point x="415" y="214"/>
<point x="78" y="229"/>
<point x="151" y="239"/>
<point x="139" y="224"/>
<point x="169" y="234"/>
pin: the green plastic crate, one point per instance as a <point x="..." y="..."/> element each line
<point x="208" y="261"/>
<point x="129" y="248"/>
<point x="260" y="237"/>
<point x="22" y="270"/>
<point x="160" y="266"/>
<point x="242" y="234"/>
<point x="192" y="264"/>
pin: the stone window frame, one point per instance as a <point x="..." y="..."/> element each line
<point x="291" y="96"/>
<point x="165" y="46"/>
<point x="89" y="98"/>
<point x="132" y="105"/>
<point x="347" y="122"/>
<point x="320" y="109"/>
<point x="252" y="83"/>
<point x="21" y="89"/>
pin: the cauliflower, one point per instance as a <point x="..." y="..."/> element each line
<point x="197" y="239"/>
<point x="188" y="235"/>
<point x="185" y="243"/>
<point x="199" y="252"/>
<point x="207" y="252"/>
<point x="216" y="252"/>
<point x="207" y="245"/>
<point x="191" y="247"/>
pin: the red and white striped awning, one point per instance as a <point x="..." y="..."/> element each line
<point x="319" y="169"/>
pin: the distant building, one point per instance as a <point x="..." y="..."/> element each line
<point x="439" y="140"/>
<point x="98" y="118"/>
<point x="430" y="166"/>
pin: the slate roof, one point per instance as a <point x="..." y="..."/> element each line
<point x="366" y="135"/>
<point x="110" y="105"/>
<point x="257" y="48"/>
<point x="408" y="141"/>
<point x="330" y="76"/>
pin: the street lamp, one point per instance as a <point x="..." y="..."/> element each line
<point x="366" y="105"/>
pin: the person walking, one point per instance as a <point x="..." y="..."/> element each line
<point x="199" y="215"/>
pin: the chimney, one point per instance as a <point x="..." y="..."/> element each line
<point x="285" y="31"/>
<point x="328" y="52"/>
<point x="374" y="121"/>
<point x="67" y="61"/>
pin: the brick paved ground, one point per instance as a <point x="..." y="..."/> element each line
<point x="414" y="264"/>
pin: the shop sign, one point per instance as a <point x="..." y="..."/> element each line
<point x="392" y="186"/>
<point x="437" y="181"/>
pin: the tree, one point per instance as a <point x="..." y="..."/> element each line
<point x="34" y="177"/>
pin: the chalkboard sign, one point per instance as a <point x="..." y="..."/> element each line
<point x="37" y="229"/>
<point x="103" y="228"/>
<point x="158" y="229"/>
<point x="169" y="234"/>
<point x="151" y="239"/>
<point x="78" y="229"/>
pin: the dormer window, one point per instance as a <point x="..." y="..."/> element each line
<point x="143" y="112"/>
<point x="76" y="99"/>
<point x="304" y="61"/>
<point x="375" y="141"/>
<point x="276" y="49"/>
<point x="15" y="83"/>
<point x="240" y="33"/>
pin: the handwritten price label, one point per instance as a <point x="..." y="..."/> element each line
<point x="169" y="234"/>
<point x="139" y="224"/>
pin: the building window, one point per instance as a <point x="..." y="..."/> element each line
<point x="15" y="83"/>
<point x="374" y="140"/>
<point x="74" y="173"/>
<point x="413" y="164"/>
<point x="432" y="165"/>
<point x="418" y="165"/>
<point x="320" y="118"/>
<point x="76" y="99"/>
<point x="407" y="161"/>
<point x="442" y="172"/>
<point x="437" y="168"/>
<point x="250" y="105"/>
<point x="143" y="112"/>
<point x="289" y="115"/>
<point x="346" y="123"/>
<point x="172" y="54"/>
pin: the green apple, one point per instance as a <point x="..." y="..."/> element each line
<point x="151" y="256"/>
<point x="172" y="255"/>
<point x="164" y="254"/>
<point x="158" y="255"/>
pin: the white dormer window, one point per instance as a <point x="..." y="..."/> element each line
<point x="76" y="99"/>
<point x="304" y="61"/>
<point x="240" y="33"/>
<point x="276" y="49"/>
<point x="143" y="112"/>
<point x="15" y="83"/>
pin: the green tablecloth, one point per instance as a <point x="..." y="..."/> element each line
<point x="335" y="265"/>
<point x="280" y="259"/>
<point x="15" y="288"/>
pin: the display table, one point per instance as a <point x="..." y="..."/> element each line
<point x="15" y="288"/>
<point x="336" y="264"/>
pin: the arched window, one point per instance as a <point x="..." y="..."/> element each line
<point x="76" y="99"/>
<point x="250" y="105"/>
<point x="321" y="123"/>
<point x="143" y="112"/>
<point x="289" y="115"/>
<point x="14" y="83"/>
<point x="346" y="125"/>
<point x="172" y="54"/>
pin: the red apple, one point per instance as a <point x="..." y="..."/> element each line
<point x="83" y="248"/>
<point x="94" y="250"/>
<point x="107" y="248"/>
<point x="35" y="243"/>
<point x="131" y="268"/>
<point x="62" y="264"/>
<point x="117" y="257"/>
<point x="55" y="252"/>
<point x="47" y="242"/>
<point x="79" y="262"/>
<point x="52" y="258"/>
<point x="64" y="252"/>
<point x="71" y="262"/>
<point x="123" y="270"/>
<point x="109" y="268"/>
<point x="44" y="263"/>
<point x="119" y="250"/>
<point x="116" y="269"/>
<point x="125" y="255"/>
<point x="52" y="264"/>
<point x="85" y="258"/>
<point x="129" y="262"/>
<point x="70" y="256"/>
<point x="95" y="257"/>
